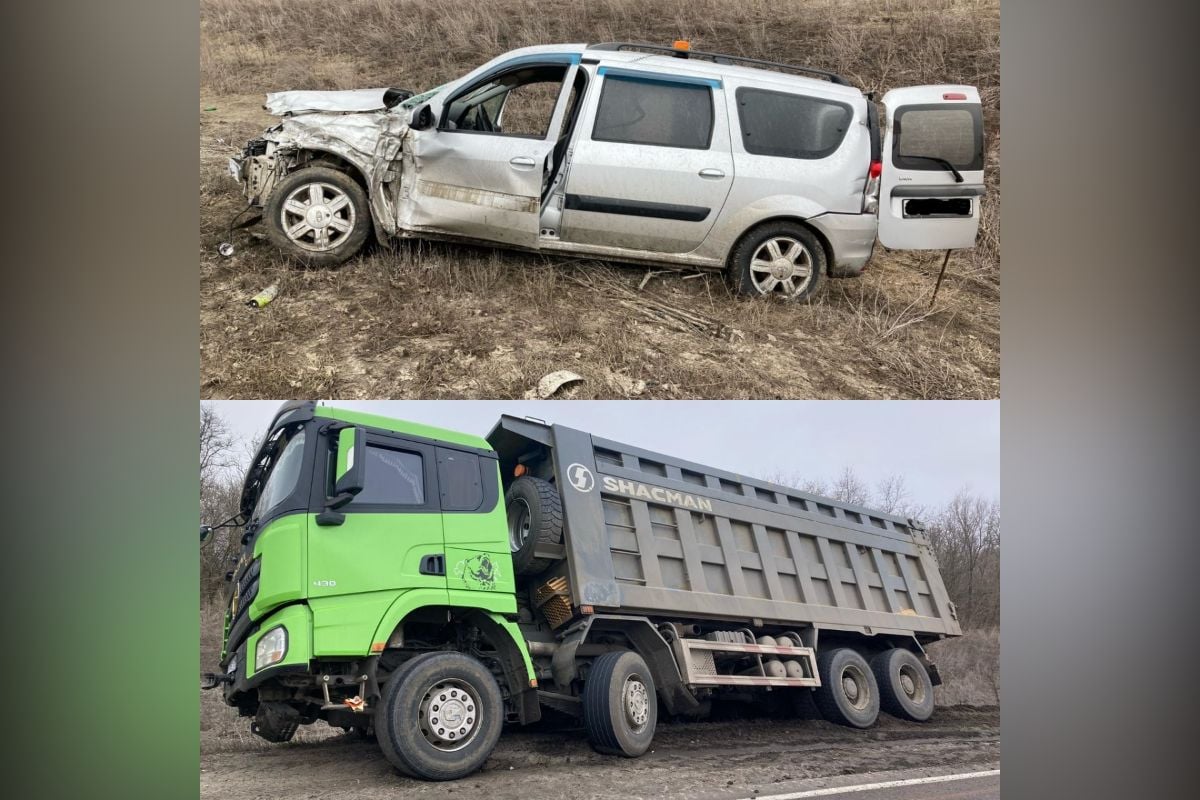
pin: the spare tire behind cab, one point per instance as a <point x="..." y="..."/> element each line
<point x="534" y="515"/>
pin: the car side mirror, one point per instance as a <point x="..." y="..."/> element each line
<point x="205" y="532"/>
<point x="421" y="118"/>
<point x="350" y="474"/>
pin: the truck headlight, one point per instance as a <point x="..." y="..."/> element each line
<point x="271" y="648"/>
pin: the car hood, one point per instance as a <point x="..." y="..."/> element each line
<point x="345" y="101"/>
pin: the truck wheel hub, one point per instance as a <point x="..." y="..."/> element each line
<point x="449" y="715"/>
<point x="636" y="702"/>
<point x="906" y="683"/>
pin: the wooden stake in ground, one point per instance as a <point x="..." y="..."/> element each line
<point x="941" y="275"/>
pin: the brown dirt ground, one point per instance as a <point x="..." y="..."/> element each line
<point x="432" y="320"/>
<point x="697" y="759"/>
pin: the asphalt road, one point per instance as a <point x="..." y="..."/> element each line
<point x="716" y="760"/>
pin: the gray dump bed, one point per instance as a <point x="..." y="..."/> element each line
<point x="648" y="534"/>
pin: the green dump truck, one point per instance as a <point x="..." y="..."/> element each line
<point x="425" y="587"/>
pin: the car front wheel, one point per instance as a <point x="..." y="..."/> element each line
<point x="319" y="216"/>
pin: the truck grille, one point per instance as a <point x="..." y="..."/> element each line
<point x="554" y="599"/>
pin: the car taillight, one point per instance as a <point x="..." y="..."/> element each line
<point x="954" y="96"/>
<point x="871" y="189"/>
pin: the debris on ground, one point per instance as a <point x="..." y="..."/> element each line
<point x="550" y="384"/>
<point x="265" y="296"/>
<point x="655" y="310"/>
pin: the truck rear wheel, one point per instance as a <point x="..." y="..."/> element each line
<point x="620" y="708"/>
<point x="905" y="689"/>
<point x="848" y="694"/>
<point x="534" y="516"/>
<point x="440" y="716"/>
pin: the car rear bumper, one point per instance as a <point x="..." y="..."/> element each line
<point x="851" y="238"/>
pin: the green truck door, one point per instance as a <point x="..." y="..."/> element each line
<point x="390" y="539"/>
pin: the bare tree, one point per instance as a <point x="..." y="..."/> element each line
<point x="965" y="538"/>
<point x="220" y="494"/>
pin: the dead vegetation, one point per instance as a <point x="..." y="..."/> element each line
<point x="436" y="320"/>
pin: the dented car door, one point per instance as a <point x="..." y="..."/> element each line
<point x="482" y="170"/>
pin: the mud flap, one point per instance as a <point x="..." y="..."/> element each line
<point x="275" y="722"/>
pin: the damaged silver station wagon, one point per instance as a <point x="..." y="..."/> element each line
<point x="630" y="152"/>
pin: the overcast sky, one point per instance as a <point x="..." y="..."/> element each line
<point x="938" y="447"/>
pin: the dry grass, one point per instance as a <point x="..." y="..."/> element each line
<point x="434" y="320"/>
<point x="970" y="667"/>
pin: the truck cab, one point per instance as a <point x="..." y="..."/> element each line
<point x="779" y="175"/>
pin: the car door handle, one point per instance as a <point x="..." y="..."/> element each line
<point x="433" y="565"/>
<point x="522" y="162"/>
<point x="712" y="173"/>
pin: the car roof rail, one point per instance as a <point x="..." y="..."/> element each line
<point x="721" y="58"/>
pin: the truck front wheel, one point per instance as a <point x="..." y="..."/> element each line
<point x="905" y="689"/>
<point x="440" y="716"/>
<point x="620" y="708"/>
<point x="848" y="694"/>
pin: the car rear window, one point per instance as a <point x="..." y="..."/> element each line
<point x="647" y="111"/>
<point x="954" y="133"/>
<point x="791" y="125"/>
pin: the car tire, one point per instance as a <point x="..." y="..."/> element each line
<point x="534" y="517"/>
<point x="427" y="704"/>
<point x="309" y="197"/>
<point x="905" y="688"/>
<point x="848" y="694"/>
<point x="764" y="263"/>
<point x="620" y="708"/>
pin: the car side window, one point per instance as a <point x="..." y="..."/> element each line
<point x="653" y="112"/>
<point x="459" y="480"/>
<point x="392" y="477"/>
<point x="519" y="102"/>
<point x="791" y="125"/>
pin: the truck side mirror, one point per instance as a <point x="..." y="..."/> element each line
<point x="351" y="462"/>
<point x="205" y="532"/>
<point x="421" y="118"/>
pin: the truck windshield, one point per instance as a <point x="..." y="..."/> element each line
<point x="283" y="478"/>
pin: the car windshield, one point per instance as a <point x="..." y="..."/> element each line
<point x="417" y="99"/>
<point x="283" y="478"/>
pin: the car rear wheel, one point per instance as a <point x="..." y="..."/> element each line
<point x="782" y="259"/>
<point x="319" y="216"/>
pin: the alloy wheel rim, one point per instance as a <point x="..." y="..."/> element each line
<point x="781" y="265"/>
<point x="317" y="216"/>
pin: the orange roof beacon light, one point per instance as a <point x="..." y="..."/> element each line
<point x="682" y="46"/>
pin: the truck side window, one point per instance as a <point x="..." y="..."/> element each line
<point x="459" y="480"/>
<point x="791" y="125"/>
<point x="642" y="111"/>
<point x="392" y="477"/>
